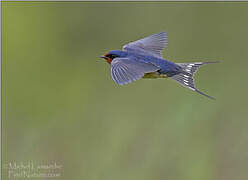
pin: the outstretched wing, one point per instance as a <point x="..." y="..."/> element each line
<point x="125" y="70"/>
<point x="152" y="45"/>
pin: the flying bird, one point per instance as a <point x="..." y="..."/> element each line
<point x="143" y="59"/>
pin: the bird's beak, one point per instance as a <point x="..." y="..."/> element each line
<point x="104" y="57"/>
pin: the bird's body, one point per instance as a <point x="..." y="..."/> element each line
<point x="143" y="59"/>
<point x="166" y="67"/>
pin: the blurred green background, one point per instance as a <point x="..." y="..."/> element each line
<point x="59" y="103"/>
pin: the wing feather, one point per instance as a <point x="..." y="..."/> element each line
<point x="152" y="45"/>
<point x="125" y="70"/>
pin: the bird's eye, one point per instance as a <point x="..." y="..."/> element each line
<point x="112" y="56"/>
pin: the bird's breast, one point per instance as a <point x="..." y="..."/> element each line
<point x="154" y="75"/>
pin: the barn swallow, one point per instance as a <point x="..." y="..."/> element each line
<point x="143" y="59"/>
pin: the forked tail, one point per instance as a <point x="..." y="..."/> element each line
<point x="186" y="77"/>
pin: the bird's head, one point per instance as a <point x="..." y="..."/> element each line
<point x="113" y="54"/>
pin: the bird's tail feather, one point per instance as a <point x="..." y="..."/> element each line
<point x="186" y="76"/>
